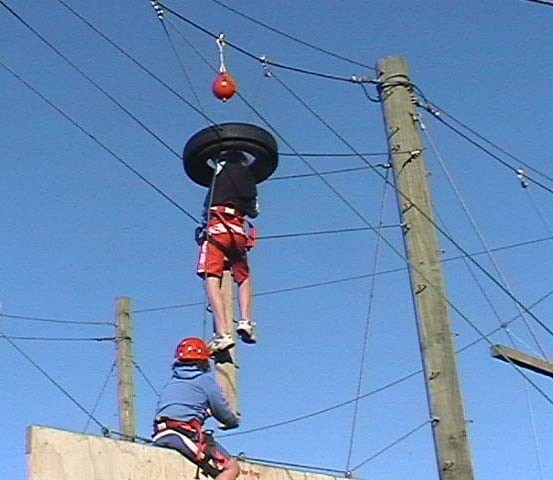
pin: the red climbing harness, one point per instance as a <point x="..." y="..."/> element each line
<point x="192" y="429"/>
<point x="208" y="454"/>
<point x="227" y="220"/>
<point x="226" y="215"/>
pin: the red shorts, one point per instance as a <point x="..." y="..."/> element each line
<point x="213" y="261"/>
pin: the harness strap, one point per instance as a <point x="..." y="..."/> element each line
<point x="228" y="210"/>
<point x="200" y="443"/>
<point x="234" y="252"/>
<point x="166" y="426"/>
<point x="250" y="233"/>
<point x="209" y="232"/>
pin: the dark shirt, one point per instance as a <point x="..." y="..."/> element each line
<point x="235" y="186"/>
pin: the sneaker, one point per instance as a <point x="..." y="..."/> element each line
<point x="221" y="343"/>
<point x="245" y="331"/>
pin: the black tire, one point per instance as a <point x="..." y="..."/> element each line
<point x="207" y="144"/>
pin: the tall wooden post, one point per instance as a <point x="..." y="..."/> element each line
<point x="427" y="283"/>
<point x="125" y="368"/>
<point x="226" y="366"/>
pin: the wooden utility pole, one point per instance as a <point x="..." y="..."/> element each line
<point x="125" y="368"/>
<point x="226" y="366"/>
<point x="427" y="283"/>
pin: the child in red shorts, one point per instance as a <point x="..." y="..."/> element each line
<point x="226" y="240"/>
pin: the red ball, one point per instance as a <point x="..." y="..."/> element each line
<point x="224" y="86"/>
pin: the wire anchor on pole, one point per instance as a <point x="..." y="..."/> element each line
<point x="428" y="107"/>
<point x="363" y="79"/>
<point x="265" y="64"/>
<point x="417" y="118"/>
<point x="158" y="8"/>
<point x="521" y="175"/>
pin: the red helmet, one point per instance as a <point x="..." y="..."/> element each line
<point x="192" y="349"/>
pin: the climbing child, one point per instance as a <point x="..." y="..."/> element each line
<point x="225" y="240"/>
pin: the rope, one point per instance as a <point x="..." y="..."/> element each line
<point x="102" y="390"/>
<point x="539" y="211"/>
<point x="290" y="37"/>
<point x="54" y="320"/>
<point x="146" y="379"/>
<point x="384" y="387"/>
<point x="504" y="325"/>
<point x="367" y="326"/>
<point x="325" y="232"/>
<point x="260" y="461"/>
<point x="449" y="238"/>
<point x="484" y="149"/>
<point x="328" y="172"/>
<point x="53" y="381"/>
<point x="498" y="270"/>
<point x="542" y="2"/>
<point x="181" y="64"/>
<point x="336" y="154"/>
<point x="208" y="221"/>
<point x="64" y="339"/>
<point x="394" y="443"/>
<point x="366" y="93"/>
<point x="344" y="279"/>
<point x="437" y="111"/>
<point x="192" y="47"/>
<point x="99" y="143"/>
<point x="91" y="81"/>
<point x="534" y="431"/>
<point x="136" y="62"/>
<point x="327" y="409"/>
<point x="264" y="60"/>
<point x="479" y="234"/>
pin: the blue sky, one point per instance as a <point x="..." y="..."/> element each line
<point x="80" y="229"/>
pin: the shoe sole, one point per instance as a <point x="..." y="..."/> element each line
<point x="245" y="336"/>
<point x="224" y="349"/>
